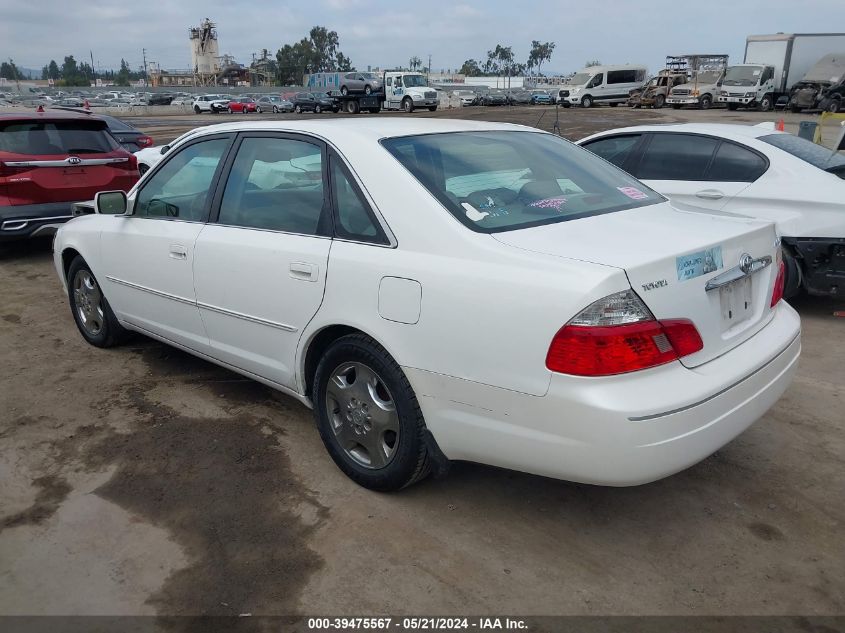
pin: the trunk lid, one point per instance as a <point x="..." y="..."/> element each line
<point x="669" y="257"/>
<point x="62" y="160"/>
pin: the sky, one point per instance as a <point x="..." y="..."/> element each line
<point x="388" y="34"/>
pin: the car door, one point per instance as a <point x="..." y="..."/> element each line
<point x="619" y="149"/>
<point x="260" y="267"/>
<point x="148" y="255"/>
<point x="683" y="167"/>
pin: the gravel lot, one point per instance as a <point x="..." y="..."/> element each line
<point x="140" y="480"/>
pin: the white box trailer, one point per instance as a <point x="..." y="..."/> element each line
<point x="772" y="65"/>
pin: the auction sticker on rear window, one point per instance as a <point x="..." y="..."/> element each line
<point x="633" y="193"/>
<point x="700" y="263"/>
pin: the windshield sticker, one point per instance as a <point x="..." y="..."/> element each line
<point x="472" y="213"/>
<point x="700" y="263"/>
<point x="755" y="73"/>
<point x="549" y="203"/>
<point x="633" y="193"/>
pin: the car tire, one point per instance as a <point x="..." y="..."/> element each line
<point x="142" y="168"/>
<point x="353" y="107"/>
<point x="659" y="100"/>
<point x="613" y="104"/>
<point x="368" y="90"/>
<point x="386" y="451"/>
<point x="765" y="103"/>
<point x="90" y="309"/>
<point x="432" y="108"/>
<point x="197" y="110"/>
<point x="318" y="109"/>
<point x="834" y="106"/>
<point x="297" y="109"/>
<point x="793" y="276"/>
<point x="706" y="102"/>
<point x="587" y="102"/>
<point x="733" y="106"/>
<point x="257" y="110"/>
<point x="344" y="90"/>
<point x="407" y="105"/>
<point x="275" y="110"/>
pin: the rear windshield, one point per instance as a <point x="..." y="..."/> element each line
<point x="817" y="155"/>
<point x="58" y="137"/>
<point x="501" y="181"/>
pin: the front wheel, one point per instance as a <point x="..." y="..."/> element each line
<point x="834" y="106"/>
<point x="91" y="312"/>
<point x="407" y="105"/>
<point x="344" y="90"/>
<point x="587" y="102"/>
<point x="659" y="100"/>
<point x="706" y="102"/>
<point x="142" y="168"/>
<point x="368" y="90"/>
<point x="368" y="415"/>
<point x="297" y="109"/>
<point x="257" y="110"/>
<point x="229" y="110"/>
<point x="765" y="103"/>
<point x="275" y="110"/>
<point x="197" y="110"/>
<point x="318" y="109"/>
<point x="432" y="108"/>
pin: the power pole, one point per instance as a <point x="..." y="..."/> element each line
<point x="93" y="69"/>
<point x="144" y="53"/>
<point x="429" y="67"/>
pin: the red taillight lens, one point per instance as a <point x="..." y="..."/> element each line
<point x="145" y="141"/>
<point x="777" y="291"/>
<point x="618" y="349"/>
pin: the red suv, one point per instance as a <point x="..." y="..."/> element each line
<point x="49" y="160"/>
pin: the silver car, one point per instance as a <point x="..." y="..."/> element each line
<point x="274" y="104"/>
<point x="360" y="82"/>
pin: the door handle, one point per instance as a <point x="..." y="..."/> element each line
<point x="710" y="194"/>
<point x="177" y="251"/>
<point x="304" y="271"/>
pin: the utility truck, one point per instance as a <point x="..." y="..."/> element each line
<point x="773" y="64"/>
<point x="396" y="90"/>
<point x="705" y="74"/>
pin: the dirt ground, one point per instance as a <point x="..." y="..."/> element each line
<point x="140" y="480"/>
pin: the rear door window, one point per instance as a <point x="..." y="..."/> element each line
<point x="676" y="157"/>
<point x="56" y="137"/>
<point x="736" y="164"/>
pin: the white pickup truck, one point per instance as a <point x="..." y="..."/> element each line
<point x="701" y="91"/>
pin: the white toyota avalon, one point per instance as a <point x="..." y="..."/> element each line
<point x="446" y="290"/>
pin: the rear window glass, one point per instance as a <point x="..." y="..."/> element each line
<point x="59" y="137"/>
<point x="817" y="155"/>
<point x="500" y="181"/>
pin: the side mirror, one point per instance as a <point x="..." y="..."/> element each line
<point x="110" y="202"/>
<point x="165" y="149"/>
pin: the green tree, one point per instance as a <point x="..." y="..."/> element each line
<point x="324" y="44"/>
<point x="343" y="63"/>
<point x="540" y="53"/>
<point x="319" y="52"/>
<point x="53" y="71"/>
<point x="8" y="70"/>
<point x="122" y="77"/>
<point x="471" y="68"/>
<point x="69" y="68"/>
<point x="414" y="63"/>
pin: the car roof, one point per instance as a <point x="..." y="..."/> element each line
<point x="733" y="131"/>
<point x="47" y="115"/>
<point x="353" y="130"/>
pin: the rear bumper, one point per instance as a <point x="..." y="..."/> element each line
<point x="32" y="220"/>
<point x="620" y="430"/>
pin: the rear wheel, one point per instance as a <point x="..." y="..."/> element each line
<point x="197" y="110"/>
<point x="368" y="90"/>
<point x="275" y="110"/>
<point x="258" y="109"/>
<point x="353" y="107"/>
<point x="318" y="109"/>
<point x="229" y="110"/>
<point x="368" y="415"/>
<point x="297" y="109"/>
<point x="91" y="311"/>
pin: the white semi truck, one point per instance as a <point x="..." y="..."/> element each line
<point x="773" y="64"/>
<point x="399" y="90"/>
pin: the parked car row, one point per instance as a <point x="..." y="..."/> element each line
<point x="481" y="95"/>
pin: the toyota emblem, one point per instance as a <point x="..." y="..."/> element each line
<point x="73" y="160"/>
<point x="745" y="263"/>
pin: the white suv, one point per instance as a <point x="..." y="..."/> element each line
<point x="210" y="103"/>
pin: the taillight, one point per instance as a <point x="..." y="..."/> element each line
<point x="144" y="141"/>
<point x="777" y="291"/>
<point x="618" y="334"/>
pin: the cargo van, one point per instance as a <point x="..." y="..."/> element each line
<point x="602" y="84"/>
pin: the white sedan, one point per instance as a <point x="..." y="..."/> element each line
<point x="446" y="290"/>
<point x="747" y="170"/>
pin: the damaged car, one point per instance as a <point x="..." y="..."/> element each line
<point x="753" y="171"/>
<point x="824" y="82"/>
